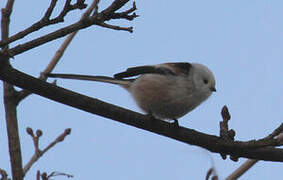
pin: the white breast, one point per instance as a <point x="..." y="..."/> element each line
<point x="163" y="97"/>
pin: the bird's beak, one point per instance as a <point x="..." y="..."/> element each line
<point x="213" y="89"/>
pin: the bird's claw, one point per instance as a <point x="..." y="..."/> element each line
<point x="175" y="123"/>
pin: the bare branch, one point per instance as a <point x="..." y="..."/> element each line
<point x="251" y="162"/>
<point x="59" y="53"/>
<point x="266" y="140"/>
<point x="53" y="174"/>
<point x="130" y="29"/>
<point x="44" y="175"/>
<point x="38" y="153"/>
<point x="5" y="21"/>
<point x="45" y="20"/>
<point x="242" y="169"/>
<point x="4" y="175"/>
<point x="92" y="7"/>
<point x="255" y="150"/>
<point x="50" y="9"/>
<point x="229" y="135"/>
<point x="57" y="140"/>
<point x="81" y="24"/>
<point x="275" y="133"/>
<point x="211" y="173"/>
<point x="38" y="175"/>
<point x="126" y="14"/>
<point x="116" y="5"/>
<point x="69" y="7"/>
<point x="10" y="103"/>
<point x="280" y="138"/>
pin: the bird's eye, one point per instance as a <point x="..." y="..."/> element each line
<point x="205" y="81"/>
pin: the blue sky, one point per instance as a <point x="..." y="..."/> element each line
<point x="240" y="41"/>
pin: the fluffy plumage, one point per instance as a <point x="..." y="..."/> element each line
<point x="166" y="91"/>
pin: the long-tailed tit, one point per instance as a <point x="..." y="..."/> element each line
<point x="166" y="91"/>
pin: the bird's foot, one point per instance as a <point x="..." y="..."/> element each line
<point x="175" y="123"/>
<point x="151" y="117"/>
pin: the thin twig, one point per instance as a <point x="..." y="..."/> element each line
<point x="38" y="175"/>
<point x="93" y="6"/>
<point x="55" y="173"/>
<point x="273" y="138"/>
<point x="251" y="162"/>
<point x="280" y="138"/>
<point x="38" y="153"/>
<point x="69" y="7"/>
<point x="4" y="175"/>
<point x="57" y="140"/>
<point x="276" y="132"/>
<point x="229" y="135"/>
<point x="59" y="53"/>
<point x="129" y="29"/>
<point x="242" y="169"/>
<point x="126" y="14"/>
<point x="50" y="9"/>
<point x="86" y="22"/>
<point x="44" y="175"/>
<point x="211" y="173"/>
<point x="116" y="5"/>
<point x="45" y="20"/>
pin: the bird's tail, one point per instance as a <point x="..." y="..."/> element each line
<point x="122" y="82"/>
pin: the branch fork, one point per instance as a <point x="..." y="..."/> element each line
<point x="38" y="152"/>
<point x="271" y="140"/>
<point x="44" y="175"/>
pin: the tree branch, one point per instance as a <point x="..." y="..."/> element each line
<point x="129" y="29"/>
<point x="10" y="95"/>
<point x="44" y="175"/>
<point x="126" y="14"/>
<point x="186" y="135"/>
<point x="59" y="53"/>
<point x="97" y="19"/>
<point x="37" y="152"/>
<point x="242" y="169"/>
<point x="3" y="174"/>
<point x="45" y="20"/>
<point x="277" y="133"/>
<point x="211" y="173"/>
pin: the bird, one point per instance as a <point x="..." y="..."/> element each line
<point x="164" y="91"/>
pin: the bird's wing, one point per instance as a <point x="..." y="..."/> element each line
<point x="179" y="67"/>
<point x="163" y="69"/>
